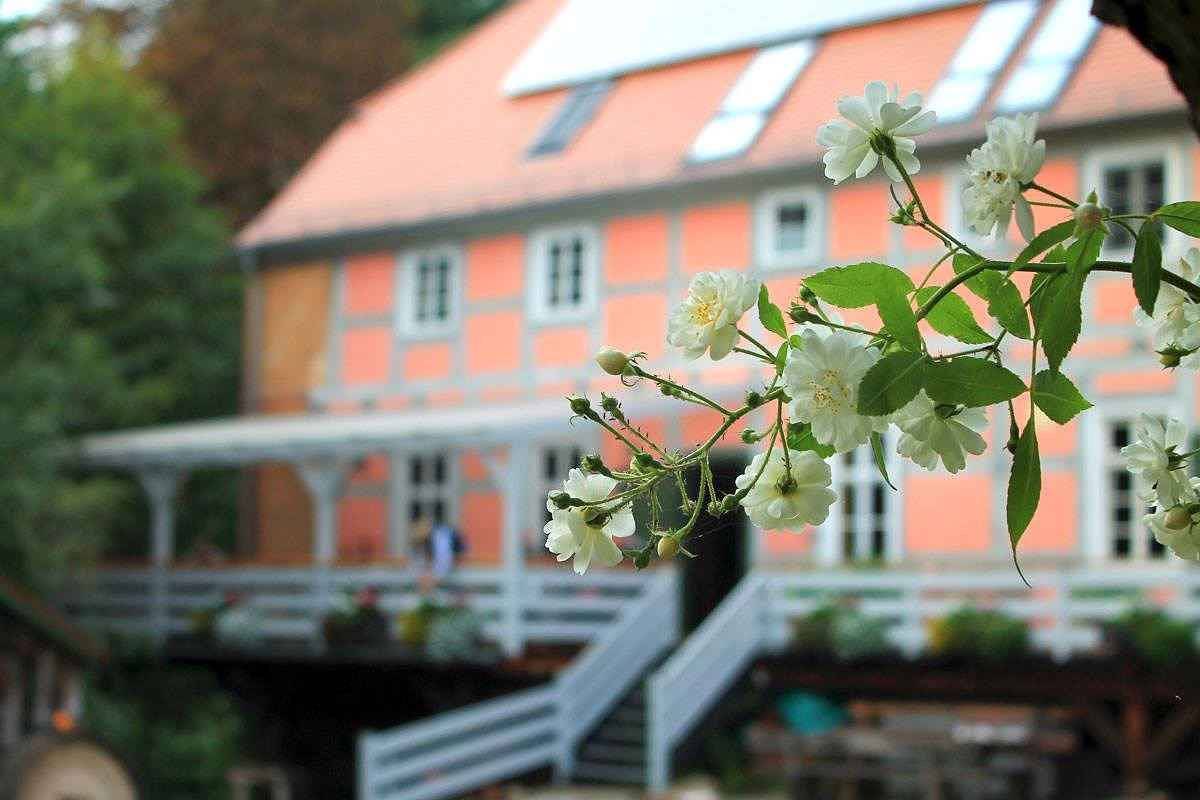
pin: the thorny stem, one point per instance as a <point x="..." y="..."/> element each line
<point x="713" y="404"/>
<point x="753" y="354"/>
<point x="757" y="344"/>
<point x="781" y="426"/>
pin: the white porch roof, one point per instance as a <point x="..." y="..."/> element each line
<point x="242" y="440"/>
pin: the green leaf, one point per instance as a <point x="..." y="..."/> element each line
<point x="1059" y="316"/>
<point x="971" y="381"/>
<point x="952" y="317"/>
<point x="1024" y="485"/>
<point x="854" y="286"/>
<point x="769" y="314"/>
<point x="1084" y="252"/>
<point x="891" y="383"/>
<point x="1183" y="217"/>
<point x="1007" y="308"/>
<point x="781" y="357"/>
<point x="1147" y="267"/>
<point x="800" y="437"/>
<point x="1044" y="241"/>
<point x="880" y="455"/>
<point x="981" y="285"/>
<point x="891" y="298"/>
<point x="1057" y="397"/>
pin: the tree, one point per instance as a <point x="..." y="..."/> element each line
<point x="114" y="310"/>
<point x="1171" y="32"/>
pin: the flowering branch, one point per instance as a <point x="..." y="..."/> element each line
<point x="836" y="387"/>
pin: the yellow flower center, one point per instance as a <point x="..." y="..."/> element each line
<point x="830" y="392"/>
<point x="705" y="312"/>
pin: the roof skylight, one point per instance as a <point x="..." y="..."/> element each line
<point x="993" y="37"/>
<point x="576" y="111"/>
<point x="749" y="103"/>
<point x="1063" y="39"/>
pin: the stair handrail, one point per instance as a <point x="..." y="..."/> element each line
<point x="698" y="674"/>
<point x="457" y="751"/>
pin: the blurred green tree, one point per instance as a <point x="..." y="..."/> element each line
<point x="114" y="309"/>
<point x="261" y="83"/>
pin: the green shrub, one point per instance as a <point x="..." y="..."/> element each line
<point x="982" y="635"/>
<point x="842" y="632"/>
<point x="1156" y="637"/>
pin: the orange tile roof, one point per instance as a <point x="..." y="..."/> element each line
<point x="444" y="141"/>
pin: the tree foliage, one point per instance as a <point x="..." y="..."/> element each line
<point x="261" y="83"/>
<point x="114" y="311"/>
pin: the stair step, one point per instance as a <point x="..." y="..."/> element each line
<point x="610" y="773"/>
<point x="625" y="733"/>
<point x="612" y="751"/>
<point x="631" y="716"/>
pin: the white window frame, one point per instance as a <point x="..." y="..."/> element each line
<point x="403" y="493"/>
<point x="767" y="223"/>
<point x="862" y="473"/>
<point x="1136" y="153"/>
<point x="538" y="298"/>
<point x="1097" y="460"/>
<point x="408" y="326"/>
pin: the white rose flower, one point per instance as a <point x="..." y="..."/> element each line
<point x="996" y="171"/>
<point x="1151" y="453"/>
<point x="568" y="533"/>
<point x="822" y="378"/>
<point x="879" y="113"/>
<point x="777" y="503"/>
<point x="929" y="435"/>
<point x="1177" y="528"/>
<point x="1176" y="321"/>
<point x="707" y="318"/>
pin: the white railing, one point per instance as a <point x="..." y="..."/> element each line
<point x="1064" y="609"/>
<point x="699" y="673"/>
<point x="553" y="604"/>
<point x="458" y="751"/>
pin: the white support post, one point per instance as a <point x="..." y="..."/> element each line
<point x="73" y="693"/>
<point x="161" y="486"/>
<point x="513" y="478"/>
<point x="324" y="479"/>
<point x="14" y="702"/>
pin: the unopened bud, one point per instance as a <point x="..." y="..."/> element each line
<point x="560" y="499"/>
<point x="808" y="295"/>
<point x="750" y="436"/>
<point x="1088" y="216"/>
<point x="1178" y="518"/>
<point x="668" y="547"/>
<point x="753" y="399"/>
<point x="644" y="462"/>
<point x="612" y="360"/>
<point x="580" y="405"/>
<point x="1169" y="358"/>
<point x="593" y="463"/>
<point x="800" y="314"/>
<point x="610" y="404"/>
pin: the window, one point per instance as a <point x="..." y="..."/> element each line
<point x="1131" y="188"/>
<point x="576" y="111"/>
<point x="1060" y="43"/>
<point x="430" y="487"/>
<point x="993" y="37"/>
<point x="563" y="272"/>
<point x="749" y="103"/>
<point x="430" y="281"/>
<point x="864" y="501"/>
<point x="791" y="228"/>
<point x="554" y="462"/>
<point x="1129" y="538"/>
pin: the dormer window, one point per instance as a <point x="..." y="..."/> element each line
<point x="1059" y="45"/>
<point x="993" y="37"/>
<point x="563" y="272"/>
<point x="750" y="102"/>
<point x="576" y="111"/>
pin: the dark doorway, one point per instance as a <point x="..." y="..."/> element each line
<point x="720" y="548"/>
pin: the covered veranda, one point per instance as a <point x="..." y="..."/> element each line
<point x="519" y="601"/>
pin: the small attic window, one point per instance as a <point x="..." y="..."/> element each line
<point x="751" y="100"/>
<point x="1063" y="39"/>
<point x="993" y="37"/>
<point x="575" y="112"/>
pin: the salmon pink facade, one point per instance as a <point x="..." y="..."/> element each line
<point x="432" y="259"/>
